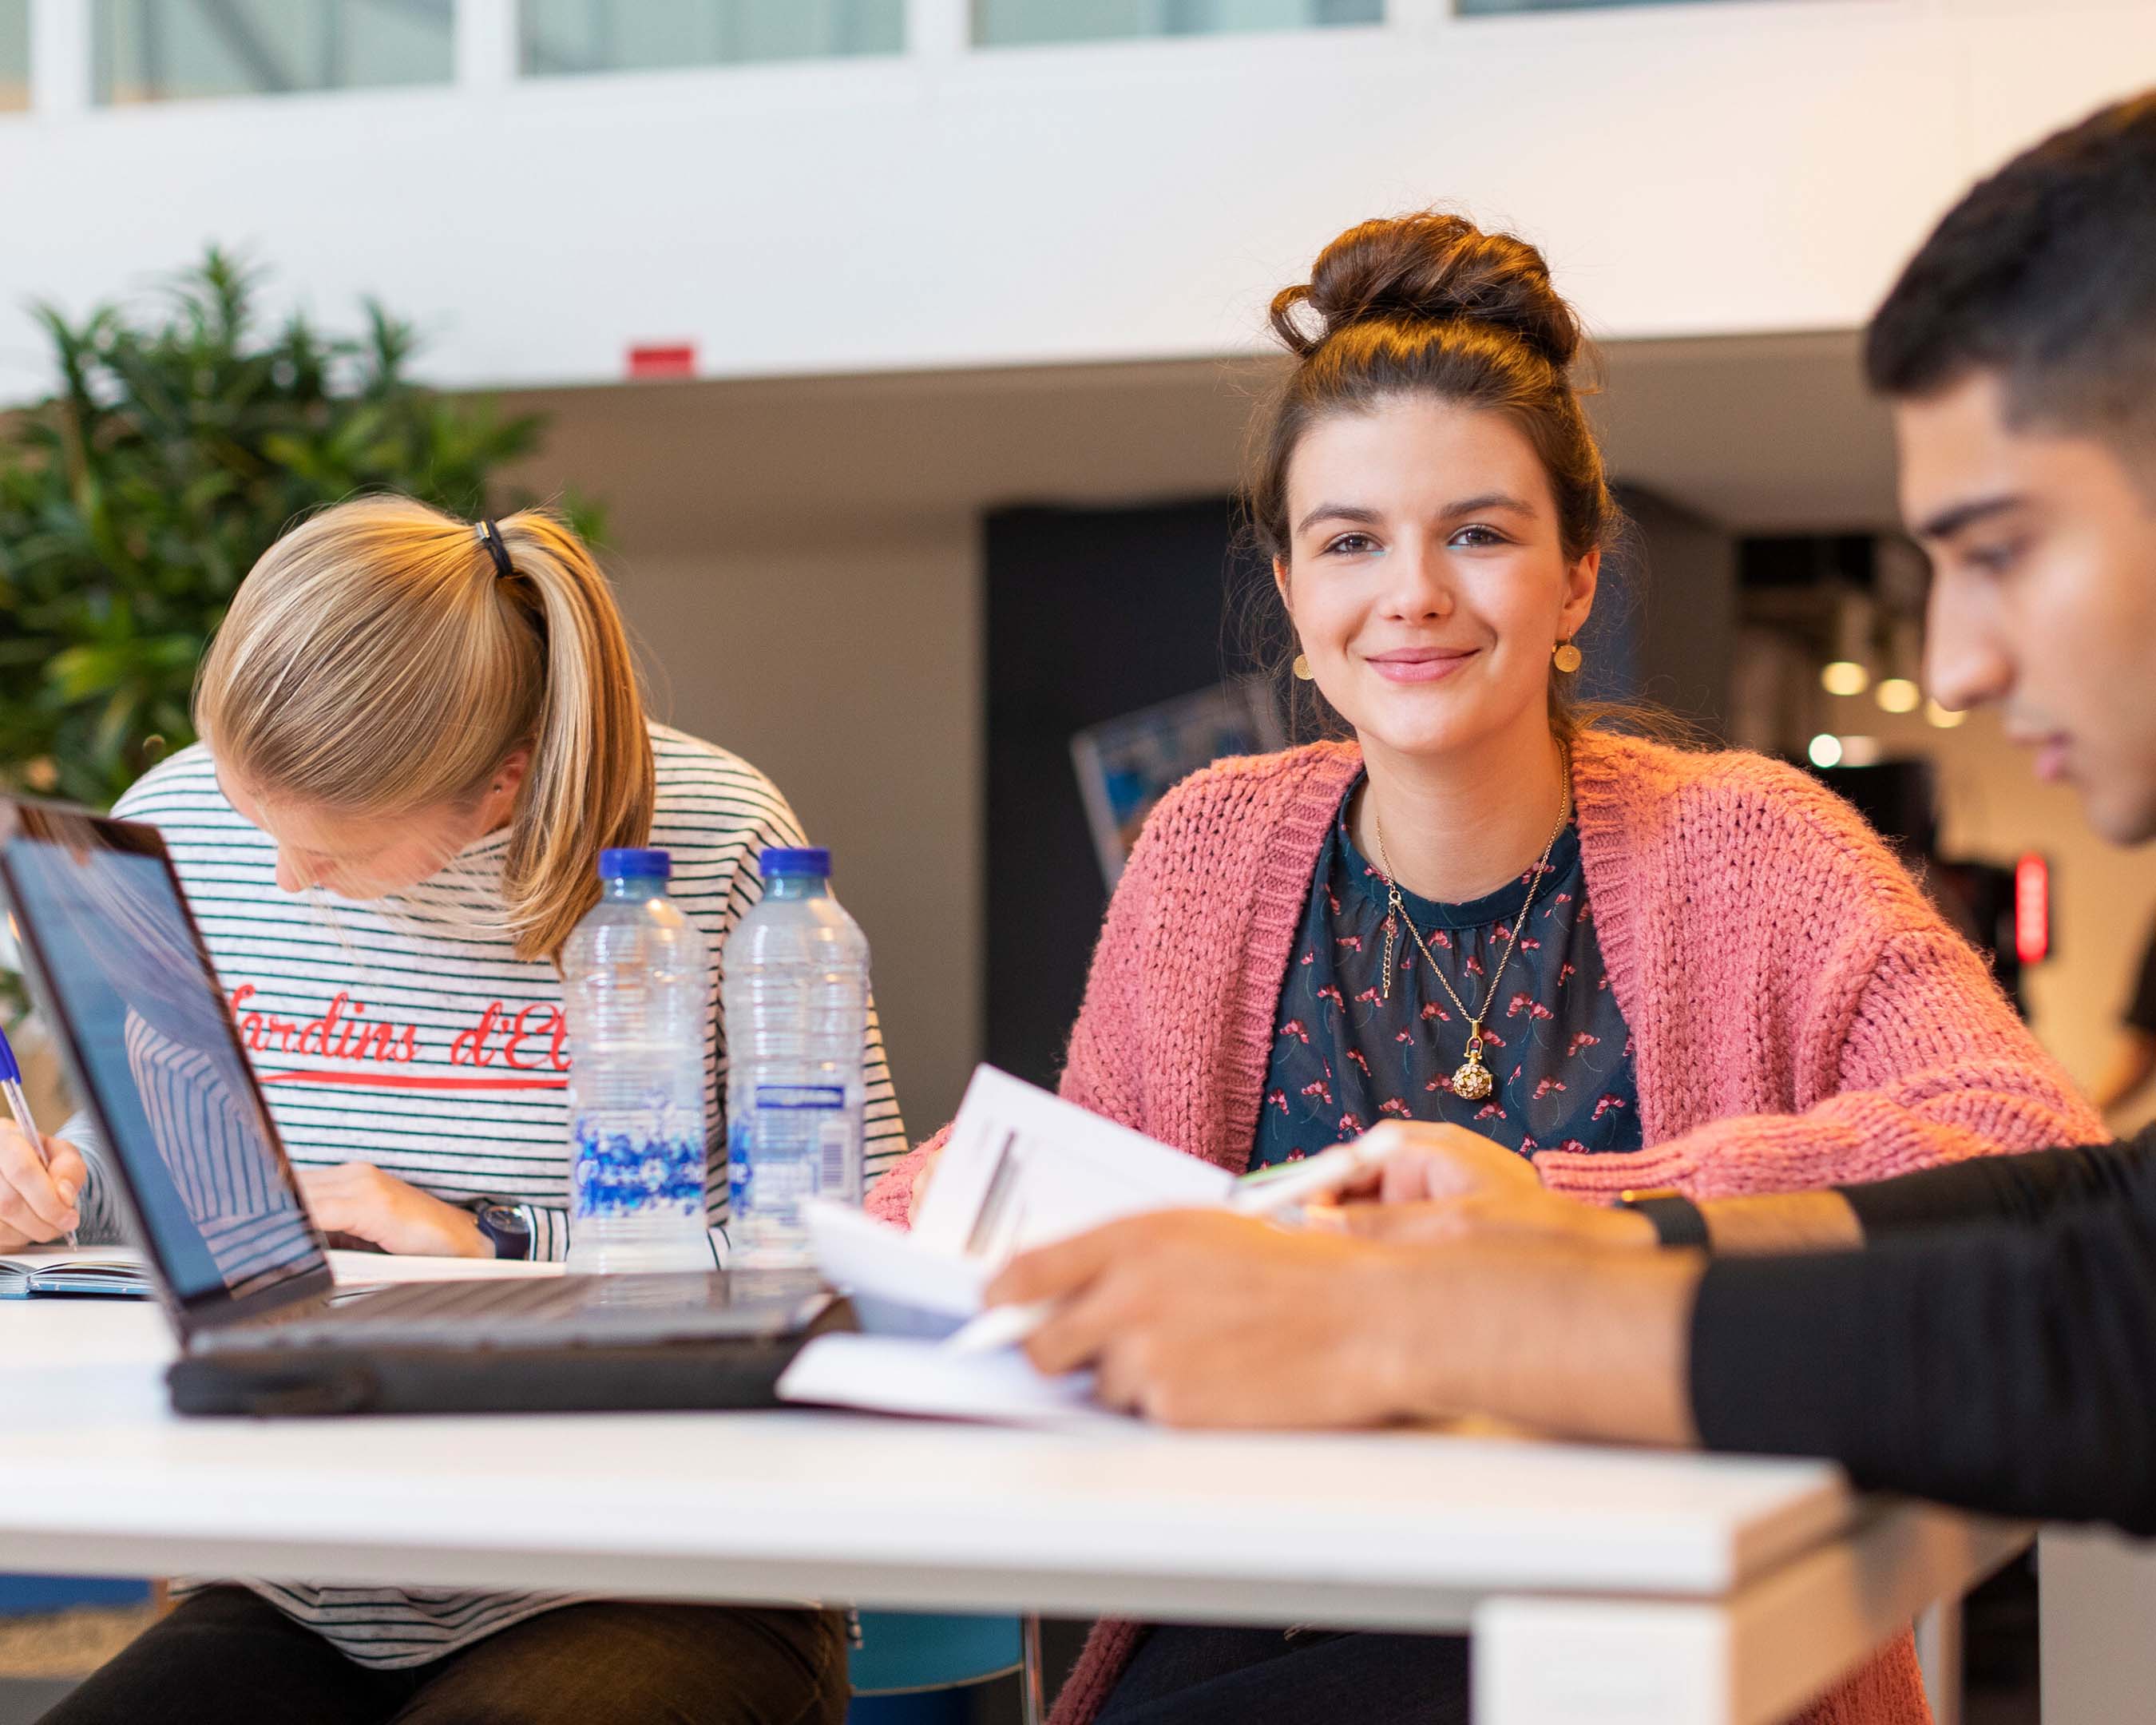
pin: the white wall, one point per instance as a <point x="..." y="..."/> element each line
<point x="848" y="669"/>
<point x="1693" y="169"/>
<point x="801" y="561"/>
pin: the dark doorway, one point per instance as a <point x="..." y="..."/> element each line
<point x="1092" y="614"/>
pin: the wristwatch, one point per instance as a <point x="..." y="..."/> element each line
<point x="504" y="1226"/>
<point x="1677" y="1220"/>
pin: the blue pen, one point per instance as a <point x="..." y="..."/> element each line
<point x="19" y="1105"/>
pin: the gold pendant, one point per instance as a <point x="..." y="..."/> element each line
<point x="1472" y="1082"/>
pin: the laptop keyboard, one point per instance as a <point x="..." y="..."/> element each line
<point x="531" y="1297"/>
<point x="524" y="1311"/>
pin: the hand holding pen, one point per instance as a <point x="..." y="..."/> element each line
<point x="40" y="1178"/>
<point x="1277" y="1192"/>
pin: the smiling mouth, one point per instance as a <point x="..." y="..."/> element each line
<point x="1418" y="664"/>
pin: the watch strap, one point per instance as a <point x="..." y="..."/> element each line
<point x="1677" y="1220"/>
<point x="506" y="1226"/>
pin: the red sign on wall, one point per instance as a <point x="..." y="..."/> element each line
<point x="668" y="359"/>
<point x="2032" y="909"/>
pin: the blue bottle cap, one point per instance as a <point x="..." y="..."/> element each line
<point x="633" y="864"/>
<point x="804" y="859"/>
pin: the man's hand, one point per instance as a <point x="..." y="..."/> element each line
<point x="38" y="1203"/>
<point x="356" y="1197"/>
<point x="1427" y="1182"/>
<point x="1200" y="1317"/>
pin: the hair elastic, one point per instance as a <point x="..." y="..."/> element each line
<point x="490" y="537"/>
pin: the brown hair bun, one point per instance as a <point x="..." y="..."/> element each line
<point x="1430" y="268"/>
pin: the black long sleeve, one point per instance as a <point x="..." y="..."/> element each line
<point x="2027" y="1189"/>
<point x="2007" y="1366"/>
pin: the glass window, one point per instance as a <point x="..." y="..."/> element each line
<point x="175" y="50"/>
<point x="14" y="55"/>
<point x="999" y="22"/>
<point x="573" y="36"/>
<point x="1484" y="9"/>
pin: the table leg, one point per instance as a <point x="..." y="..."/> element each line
<point x="1938" y="1651"/>
<point x="2097" y="1592"/>
<point x="1752" y="1658"/>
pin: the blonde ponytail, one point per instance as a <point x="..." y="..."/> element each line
<point x="590" y="786"/>
<point x="376" y="661"/>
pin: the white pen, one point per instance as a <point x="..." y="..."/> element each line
<point x="1287" y="1185"/>
<point x="999" y="1326"/>
<point x="19" y="1105"/>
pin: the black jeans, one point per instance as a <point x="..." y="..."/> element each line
<point x="1259" y="1676"/>
<point x="227" y="1657"/>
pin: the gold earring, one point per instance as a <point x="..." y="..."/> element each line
<point x="1567" y="658"/>
<point x="1302" y="667"/>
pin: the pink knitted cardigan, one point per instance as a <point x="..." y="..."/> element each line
<point x="1800" y="1015"/>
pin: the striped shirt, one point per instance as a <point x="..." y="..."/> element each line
<point x="208" y="1139"/>
<point x="405" y="1032"/>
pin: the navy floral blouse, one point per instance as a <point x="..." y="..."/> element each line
<point x="1345" y="1056"/>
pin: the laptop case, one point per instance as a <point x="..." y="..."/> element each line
<point x="728" y="1372"/>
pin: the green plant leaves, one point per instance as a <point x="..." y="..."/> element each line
<point x="179" y="443"/>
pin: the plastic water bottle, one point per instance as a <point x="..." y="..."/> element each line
<point x="637" y="977"/>
<point x="796" y="1007"/>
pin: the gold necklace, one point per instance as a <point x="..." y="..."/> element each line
<point x="1472" y="1081"/>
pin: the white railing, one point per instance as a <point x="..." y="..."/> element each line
<point x="487" y="42"/>
<point x="1692" y="169"/>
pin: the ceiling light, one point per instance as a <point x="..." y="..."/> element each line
<point x="1898" y="695"/>
<point x="1845" y="676"/>
<point x="1825" y="750"/>
<point x="1945" y="717"/>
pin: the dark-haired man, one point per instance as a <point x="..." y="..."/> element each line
<point x="1993" y="1343"/>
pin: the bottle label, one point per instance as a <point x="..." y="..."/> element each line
<point x="628" y="1174"/>
<point x="790" y="1143"/>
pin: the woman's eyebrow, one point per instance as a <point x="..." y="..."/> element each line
<point x="1489" y="500"/>
<point x="1339" y="512"/>
<point x="1477" y="505"/>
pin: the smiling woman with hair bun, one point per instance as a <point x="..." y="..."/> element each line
<point x="1476" y="913"/>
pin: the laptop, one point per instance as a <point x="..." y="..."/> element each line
<point x="119" y="969"/>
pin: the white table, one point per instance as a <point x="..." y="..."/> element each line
<point x="1598" y="1585"/>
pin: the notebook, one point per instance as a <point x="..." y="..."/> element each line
<point x="74" y="1279"/>
<point x="1021" y="1168"/>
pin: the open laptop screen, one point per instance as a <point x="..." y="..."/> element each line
<point x="99" y="909"/>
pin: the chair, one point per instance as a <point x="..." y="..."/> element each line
<point x="906" y="1658"/>
<point x="56" y="1630"/>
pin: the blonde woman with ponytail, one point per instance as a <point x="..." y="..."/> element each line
<point x="417" y="734"/>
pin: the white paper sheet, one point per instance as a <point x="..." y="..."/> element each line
<point x="1024" y="1167"/>
<point x="901" y="1374"/>
<point x="900" y="1284"/>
